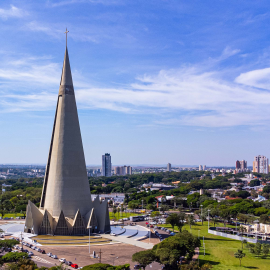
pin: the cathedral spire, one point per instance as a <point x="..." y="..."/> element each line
<point x="66" y="78"/>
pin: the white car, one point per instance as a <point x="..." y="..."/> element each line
<point x="49" y="254"/>
<point x="62" y="260"/>
<point x="30" y="253"/>
<point x="54" y="257"/>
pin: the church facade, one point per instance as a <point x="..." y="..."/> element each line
<point x="66" y="207"/>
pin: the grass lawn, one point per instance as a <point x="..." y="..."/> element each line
<point x="9" y="215"/>
<point x="122" y="215"/>
<point x="219" y="251"/>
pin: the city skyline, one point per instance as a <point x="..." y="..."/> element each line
<point x="170" y="78"/>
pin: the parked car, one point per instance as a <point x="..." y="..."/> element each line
<point x="137" y="266"/>
<point x="68" y="263"/>
<point x="42" y="251"/>
<point x="54" y="256"/>
<point x="30" y="253"/>
<point x="49" y="254"/>
<point x="74" y="265"/>
<point x="62" y="260"/>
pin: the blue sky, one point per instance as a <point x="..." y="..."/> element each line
<point x="186" y="82"/>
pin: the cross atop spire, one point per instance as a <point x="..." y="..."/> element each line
<point x="66" y="36"/>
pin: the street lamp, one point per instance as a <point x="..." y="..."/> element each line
<point x="89" y="238"/>
<point x="208" y="217"/>
<point x="149" y="233"/>
<point x="201" y="213"/>
<point x="142" y="205"/>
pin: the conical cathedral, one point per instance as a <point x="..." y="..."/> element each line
<point x="66" y="207"/>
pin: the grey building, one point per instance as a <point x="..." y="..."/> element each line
<point x="66" y="207"/>
<point x="260" y="164"/>
<point x="123" y="170"/>
<point x="106" y="165"/>
<point x="169" y="167"/>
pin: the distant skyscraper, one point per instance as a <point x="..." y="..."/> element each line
<point x="117" y="170"/>
<point x="169" y="167"/>
<point x="123" y="170"/>
<point x="237" y="165"/>
<point x="106" y="165"/>
<point x="260" y="164"/>
<point x="204" y="167"/>
<point x="243" y="165"/>
<point x="200" y="167"/>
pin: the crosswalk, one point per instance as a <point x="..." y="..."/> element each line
<point x="40" y="259"/>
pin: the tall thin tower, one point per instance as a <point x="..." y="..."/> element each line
<point x="66" y="207"/>
<point x="66" y="184"/>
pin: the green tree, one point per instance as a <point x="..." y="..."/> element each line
<point x="244" y="242"/>
<point x="14" y="256"/>
<point x="173" y="220"/>
<point x="264" y="218"/>
<point x="258" y="248"/>
<point x="265" y="250"/>
<point x="114" y="211"/>
<point x="181" y="221"/>
<point x="8" y="243"/>
<point x="215" y="221"/>
<point x="190" y="220"/>
<point x="144" y="257"/>
<point x="169" y="250"/>
<point x="239" y="255"/>
<point x="225" y="214"/>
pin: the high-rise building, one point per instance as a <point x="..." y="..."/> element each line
<point x="117" y="170"/>
<point x="169" y="167"/>
<point x="243" y="165"/>
<point x="106" y="165"/>
<point x="260" y="164"/>
<point x="204" y="167"/>
<point x="66" y="207"/>
<point x="123" y="170"/>
<point x="200" y="167"/>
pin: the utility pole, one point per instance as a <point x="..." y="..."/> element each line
<point x="201" y="213"/>
<point x="22" y="241"/>
<point x="89" y="239"/>
<point x="208" y="217"/>
<point x="100" y="256"/>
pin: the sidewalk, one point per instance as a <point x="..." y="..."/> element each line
<point x="129" y="241"/>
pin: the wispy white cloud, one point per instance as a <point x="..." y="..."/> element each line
<point x="190" y="95"/>
<point x="259" y="78"/>
<point x="70" y="2"/>
<point x="57" y="32"/>
<point x="12" y="12"/>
